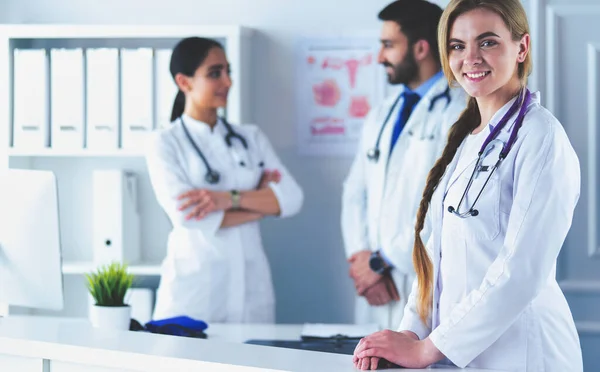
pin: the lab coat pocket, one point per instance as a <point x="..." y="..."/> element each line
<point x="485" y="193"/>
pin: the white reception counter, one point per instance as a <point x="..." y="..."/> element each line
<point x="42" y="344"/>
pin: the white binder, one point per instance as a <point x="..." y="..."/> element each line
<point x="66" y="98"/>
<point x="166" y="89"/>
<point x="137" y="100"/>
<point x="30" y="99"/>
<point x="102" y="118"/>
<point x="115" y="220"/>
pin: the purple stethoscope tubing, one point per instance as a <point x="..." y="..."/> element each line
<point x="521" y="104"/>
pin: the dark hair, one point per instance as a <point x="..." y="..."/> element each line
<point x="187" y="56"/>
<point x="418" y="20"/>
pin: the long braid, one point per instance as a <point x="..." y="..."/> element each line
<point x="466" y="123"/>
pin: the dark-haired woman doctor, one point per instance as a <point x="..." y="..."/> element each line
<point x="215" y="181"/>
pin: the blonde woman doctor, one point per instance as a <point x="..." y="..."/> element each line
<point x="215" y="182"/>
<point x="501" y="200"/>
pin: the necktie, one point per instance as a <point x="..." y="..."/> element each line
<point x="410" y="100"/>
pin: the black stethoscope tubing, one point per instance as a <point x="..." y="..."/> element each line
<point x="373" y="154"/>
<point x="212" y="176"/>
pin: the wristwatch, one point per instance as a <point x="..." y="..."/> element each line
<point x="377" y="263"/>
<point x="235" y="199"/>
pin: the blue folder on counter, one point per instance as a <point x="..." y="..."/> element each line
<point x="178" y="326"/>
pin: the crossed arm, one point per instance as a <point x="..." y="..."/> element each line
<point x="254" y="204"/>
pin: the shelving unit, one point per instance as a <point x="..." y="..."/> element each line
<point x="73" y="167"/>
<point x="82" y="267"/>
<point x="49" y="152"/>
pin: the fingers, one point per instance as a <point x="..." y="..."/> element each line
<point x="192" y="201"/>
<point x="376" y="339"/>
<point x="352" y="271"/>
<point x="372" y="299"/>
<point x="194" y="197"/>
<point x="377" y="295"/>
<point x="372" y="352"/>
<point x="276" y="176"/>
<point x="368" y="281"/>
<point x="374" y="363"/>
<point x="271" y="176"/>
<point x="393" y="291"/>
<point x="375" y="345"/>
<point x="355" y="256"/>
<point x="201" y="209"/>
<point x="187" y="194"/>
<point x="360" y="347"/>
<point x="365" y="364"/>
<point x="385" y="296"/>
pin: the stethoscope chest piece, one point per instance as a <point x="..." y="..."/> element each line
<point x="373" y="154"/>
<point x="212" y="177"/>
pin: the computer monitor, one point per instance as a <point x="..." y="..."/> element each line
<point x="30" y="251"/>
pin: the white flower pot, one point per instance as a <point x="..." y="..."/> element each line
<point x="111" y="317"/>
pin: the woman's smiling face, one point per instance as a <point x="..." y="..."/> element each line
<point x="483" y="56"/>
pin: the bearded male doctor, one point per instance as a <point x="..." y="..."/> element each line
<point x="401" y="140"/>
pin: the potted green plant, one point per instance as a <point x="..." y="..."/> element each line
<point x="108" y="286"/>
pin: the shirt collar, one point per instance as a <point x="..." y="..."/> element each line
<point x="422" y="89"/>
<point x="201" y="127"/>
<point x="535" y="98"/>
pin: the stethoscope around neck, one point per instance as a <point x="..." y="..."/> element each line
<point x="524" y="101"/>
<point x="374" y="153"/>
<point x="212" y="176"/>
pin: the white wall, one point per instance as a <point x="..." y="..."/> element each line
<point x="306" y="253"/>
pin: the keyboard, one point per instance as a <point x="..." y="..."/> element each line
<point x="328" y="346"/>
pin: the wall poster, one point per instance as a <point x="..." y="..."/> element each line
<point x="338" y="81"/>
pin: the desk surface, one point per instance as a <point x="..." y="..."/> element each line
<point x="75" y="341"/>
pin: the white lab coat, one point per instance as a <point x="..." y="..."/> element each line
<point x="500" y="306"/>
<point x="211" y="273"/>
<point x="380" y="200"/>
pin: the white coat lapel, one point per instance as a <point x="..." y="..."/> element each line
<point x="386" y="137"/>
<point x="437" y="200"/>
<point x="380" y="167"/>
<point x="437" y="210"/>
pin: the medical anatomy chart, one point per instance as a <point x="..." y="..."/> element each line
<point x="338" y="82"/>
